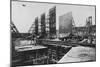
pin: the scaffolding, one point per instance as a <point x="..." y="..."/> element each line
<point x="14" y="31"/>
<point x="52" y="21"/>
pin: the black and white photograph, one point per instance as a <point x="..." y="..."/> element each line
<point x="44" y="33"/>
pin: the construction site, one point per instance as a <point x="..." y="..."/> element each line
<point x="43" y="43"/>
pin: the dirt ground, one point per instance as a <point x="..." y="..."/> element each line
<point x="79" y="54"/>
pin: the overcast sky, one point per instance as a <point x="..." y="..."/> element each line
<point x="23" y="16"/>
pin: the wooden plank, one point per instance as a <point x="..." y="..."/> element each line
<point x="28" y="48"/>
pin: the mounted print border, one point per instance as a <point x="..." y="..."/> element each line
<point x="44" y="33"/>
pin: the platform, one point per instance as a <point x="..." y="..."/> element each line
<point x="79" y="54"/>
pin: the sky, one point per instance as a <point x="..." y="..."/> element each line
<point x="23" y="16"/>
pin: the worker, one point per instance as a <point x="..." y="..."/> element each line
<point x="35" y="41"/>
